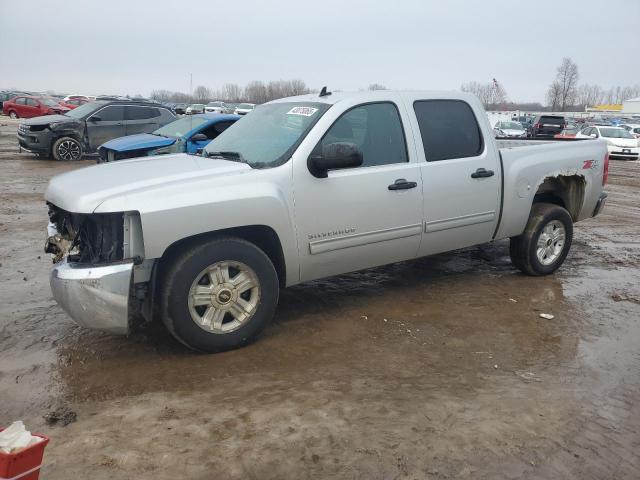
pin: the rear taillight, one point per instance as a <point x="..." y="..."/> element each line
<point x="605" y="170"/>
<point x="537" y="125"/>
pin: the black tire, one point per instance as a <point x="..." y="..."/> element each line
<point x="13" y="115"/>
<point x="67" y="149"/>
<point x="523" y="248"/>
<point x="184" y="269"/>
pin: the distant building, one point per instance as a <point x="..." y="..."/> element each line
<point x="631" y="106"/>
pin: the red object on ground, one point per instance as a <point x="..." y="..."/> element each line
<point x="23" y="464"/>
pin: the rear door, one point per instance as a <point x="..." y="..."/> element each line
<point x="460" y="174"/>
<point x="141" y="119"/>
<point x="105" y="124"/>
<point x="31" y="108"/>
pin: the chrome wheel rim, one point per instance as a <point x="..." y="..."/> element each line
<point x="550" y="242"/>
<point x="13" y="115"/>
<point x="69" y="150"/>
<point x="224" y="297"/>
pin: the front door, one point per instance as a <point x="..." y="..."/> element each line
<point x="105" y="124"/>
<point x="460" y="173"/>
<point x="364" y="216"/>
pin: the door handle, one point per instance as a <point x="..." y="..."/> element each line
<point x="402" y="184"/>
<point x="482" y="173"/>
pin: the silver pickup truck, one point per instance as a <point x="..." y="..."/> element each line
<point x="304" y="188"/>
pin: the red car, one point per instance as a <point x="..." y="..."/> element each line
<point x="27" y="106"/>
<point x="73" y="103"/>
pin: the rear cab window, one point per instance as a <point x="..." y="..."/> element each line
<point x="449" y="129"/>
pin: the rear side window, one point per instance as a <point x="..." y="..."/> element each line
<point x="141" y="113"/>
<point x="375" y="128"/>
<point x="31" y="102"/>
<point x="111" y="113"/>
<point x="449" y="129"/>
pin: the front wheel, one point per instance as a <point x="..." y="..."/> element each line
<point x="219" y="295"/>
<point x="67" y="148"/>
<point x="546" y="241"/>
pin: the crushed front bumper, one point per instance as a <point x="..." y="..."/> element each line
<point x="95" y="297"/>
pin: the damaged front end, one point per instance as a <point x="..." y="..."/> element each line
<point x="94" y="238"/>
<point x="92" y="278"/>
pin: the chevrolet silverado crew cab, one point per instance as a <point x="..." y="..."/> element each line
<point x="304" y="188"/>
<point x="83" y="129"/>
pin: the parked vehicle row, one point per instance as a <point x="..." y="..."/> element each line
<point x="84" y="129"/>
<point x="185" y="135"/>
<point x="305" y="188"/>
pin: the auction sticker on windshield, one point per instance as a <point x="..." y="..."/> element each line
<point x="304" y="111"/>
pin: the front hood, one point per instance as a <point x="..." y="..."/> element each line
<point x="623" y="142"/>
<point x="47" y="119"/>
<point x="83" y="190"/>
<point x="137" y="142"/>
<point x="513" y="133"/>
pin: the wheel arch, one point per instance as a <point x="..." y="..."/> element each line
<point x="567" y="191"/>
<point x="262" y="236"/>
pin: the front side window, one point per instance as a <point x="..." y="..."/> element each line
<point x="31" y="102"/>
<point x="269" y="136"/>
<point x="376" y="129"/>
<point x="21" y="101"/>
<point x="449" y="129"/>
<point x="111" y="113"/>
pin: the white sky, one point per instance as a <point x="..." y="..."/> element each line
<point x="133" y="47"/>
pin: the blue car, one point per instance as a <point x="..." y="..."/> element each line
<point x="186" y="135"/>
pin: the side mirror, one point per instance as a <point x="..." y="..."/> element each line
<point x="95" y="119"/>
<point x="199" y="137"/>
<point x="334" y="156"/>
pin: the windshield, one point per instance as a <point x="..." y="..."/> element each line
<point x="615" y="133"/>
<point x="180" y="127"/>
<point x="84" y="110"/>
<point x="510" y="126"/>
<point x="269" y="136"/>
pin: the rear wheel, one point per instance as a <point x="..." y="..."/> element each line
<point x="13" y="114"/>
<point x="219" y="295"/>
<point x="67" y="148"/>
<point x="546" y="241"/>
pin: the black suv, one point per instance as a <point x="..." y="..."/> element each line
<point x="546" y="126"/>
<point x="83" y="129"/>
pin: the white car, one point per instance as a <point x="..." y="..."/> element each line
<point x="244" y="108"/>
<point x="215" y="107"/>
<point x="195" y="109"/>
<point x="632" y="128"/>
<point x="620" y="143"/>
<point x="511" y="129"/>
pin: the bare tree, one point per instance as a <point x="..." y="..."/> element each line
<point x="567" y="79"/>
<point x="589" y="95"/>
<point x="255" y="92"/>
<point x="553" y="96"/>
<point x="231" y="92"/>
<point x="201" y="94"/>
<point x="491" y="94"/>
<point x="376" y="86"/>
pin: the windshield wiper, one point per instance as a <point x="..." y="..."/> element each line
<point x="233" y="156"/>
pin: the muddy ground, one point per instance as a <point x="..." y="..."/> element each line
<point x="436" y="368"/>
